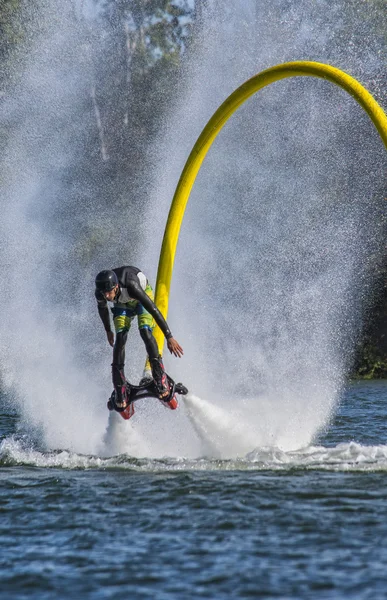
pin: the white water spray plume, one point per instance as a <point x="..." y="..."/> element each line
<point x="273" y="267"/>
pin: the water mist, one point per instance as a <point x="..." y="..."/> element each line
<point x="39" y="332"/>
<point x="271" y="274"/>
<point x="272" y="270"/>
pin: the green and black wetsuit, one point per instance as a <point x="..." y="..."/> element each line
<point x="134" y="298"/>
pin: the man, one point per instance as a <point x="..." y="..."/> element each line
<point x="129" y="290"/>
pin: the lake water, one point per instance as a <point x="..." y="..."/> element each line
<point x="311" y="523"/>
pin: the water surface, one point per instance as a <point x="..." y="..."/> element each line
<point x="271" y="524"/>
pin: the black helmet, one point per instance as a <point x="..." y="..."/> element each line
<point x="106" y="281"/>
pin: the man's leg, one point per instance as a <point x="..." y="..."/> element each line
<point x="156" y="364"/>
<point x="118" y="374"/>
<point x="146" y="325"/>
<point x="122" y="326"/>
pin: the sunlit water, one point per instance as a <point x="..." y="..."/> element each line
<point x="309" y="522"/>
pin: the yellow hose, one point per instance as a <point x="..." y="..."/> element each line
<point x="211" y="130"/>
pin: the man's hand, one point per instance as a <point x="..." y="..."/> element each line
<point x="110" y="337"/>
<point x="174" y="347"/>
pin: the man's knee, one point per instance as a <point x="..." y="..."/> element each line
<point x="146" y="333"/>
<point x="149" y="341"/>
<point x="121" y="338"/>
<point x="119" y="348"/>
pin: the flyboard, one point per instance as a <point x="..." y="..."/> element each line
<point x="147" y="390"/>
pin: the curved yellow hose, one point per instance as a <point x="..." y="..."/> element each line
<point x="211" y="130"/>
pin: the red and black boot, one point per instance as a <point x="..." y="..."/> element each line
<point x="121" y="399"/>
<point x="162" y="385"/>
<point x="160" y="377"/>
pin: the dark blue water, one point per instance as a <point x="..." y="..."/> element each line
<point x="310" y="523"/>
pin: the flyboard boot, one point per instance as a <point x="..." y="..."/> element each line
<point x="119" y="400"/>
<point x="147" y="376"/>
<point x="166" y="395"/>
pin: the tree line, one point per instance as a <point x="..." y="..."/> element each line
<point x="132" y="54"/>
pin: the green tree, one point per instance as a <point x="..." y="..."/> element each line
<point x="136" y="51"/>
<point x="11" y="33"/>
<point x="131" y="54"/>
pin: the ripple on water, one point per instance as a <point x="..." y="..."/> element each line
<point x="349" y="456"/>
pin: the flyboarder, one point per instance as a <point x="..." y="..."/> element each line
<point x="132" y="295"/>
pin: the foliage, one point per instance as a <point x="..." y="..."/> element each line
<point x="130" y="54"/>
<point x="9" y="24"/>
<point x="371" y="362"/>
<point x="371" y="356"/>
<point x="11" y="33"/>
<point x="136" y="48"/>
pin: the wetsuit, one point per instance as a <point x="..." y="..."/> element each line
<point x="134" y="298"/>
